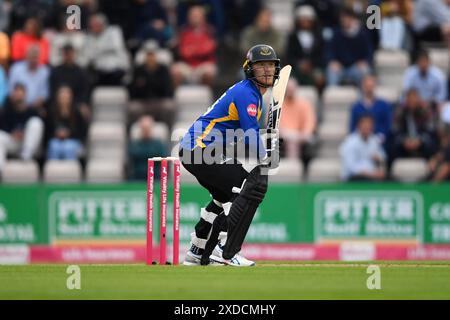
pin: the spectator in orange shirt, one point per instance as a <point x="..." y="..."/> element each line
<point x="196" y="50"/>
<point x="30" y="35"/>
<point x="4" y="49"/>
<point x="297" y="125"/>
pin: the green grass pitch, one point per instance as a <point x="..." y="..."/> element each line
<point x="268" y="280"/>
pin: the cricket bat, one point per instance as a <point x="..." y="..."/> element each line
<point x="274" y="114"/>
<point x="277" y="98"/>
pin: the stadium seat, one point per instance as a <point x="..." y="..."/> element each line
<point x="104" y="171"/>
<point x="441" y="59"/>
<point x="109" y="96"/>
<point x="112" y="113"/>
<point x="62" y="171"/>
<point x="160" y="131"/>
<point x="329" y="149"/>
<point x="18" y="171"/>
<point x="336" y="116"/>
<point x="289" y="171"/>
<point x="324" y="170"/>
<point x="390" y="67"/>
<point x="280" y="11"/>
<point x="309" y="93"/>
<point x="409" y="169"/>
<point x="390" y="94"/>
<point x="341" y="97"/>
<point x="100" y="150"/>
<point x="333" y="131"/>
<point x="194" y="96"/>
<point x="164" y="56"/>
<point x="192" y="101"/>
<point x="179" y="130"/>
<point x="189" y="115"/>
<point x="107" y="132"/>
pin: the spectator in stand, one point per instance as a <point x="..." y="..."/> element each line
<point x="21" y="10"/>
<point x="196" y="50"/>
<point x="34" y="77"/>
<point x="151" y="88"/>
<point x="21" y="129"/>
<point x="378" y="109"/>
<point x="262" y="31"/>
<point x="3" y="86"/>
<point x="349" y="53"/>
<point x="214" y="10"/>
<point x="413" y="130"/>
<point x="66" y="127"/>
<point x="305" y="49"/>
<point x="104" y="52"/>
<point x="327" y="12"/>
<point x="4" y="49"/>
<point x="151" y="21"/>
<point x="393" y="28"/>
<point x="120" y="13"/>
<point x="152" y="79"/>
<point x="362" y="154"/>
<point x="428" y="80"/>
<point x="431" y="20"/>
<point x="240" y="13"/>
<point x="143" y="148"/>
<point x="439" y="164"/>
<point x="405" y="9"/>
<point x="297" y="126"/>
<point x="70" y="74"/>
<point x="4" y="15"/>
<point x="75" y="39"/>
<point x="29" y="36"/>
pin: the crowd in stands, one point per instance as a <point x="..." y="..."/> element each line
<point x="49" y="72"/>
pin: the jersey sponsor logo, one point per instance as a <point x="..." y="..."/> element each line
<point x="252" y="110"/>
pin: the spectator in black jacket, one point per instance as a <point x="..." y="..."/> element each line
<point x="349" y="53"/>
<point x="72" y="75"/>
<point x="66" y="127"/>
<point x="152" y="79"/>
<point x="413" y="132"/>
<point x="152" y="88"/>
<point x="305" y="47"/>
<point x="21" y="129"/>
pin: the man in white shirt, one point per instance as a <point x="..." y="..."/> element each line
<point x="362" y="154"/>
<point x="105" y="52"/>
<point x="429" y="81"/>
<point x="33" y="76"/>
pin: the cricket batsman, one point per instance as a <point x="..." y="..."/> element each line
<point x="236" y="193"/>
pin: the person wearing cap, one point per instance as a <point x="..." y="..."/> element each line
<point x="152" y="79"/>
<point x="305" y="48"/>
<point x="75" y="38"/>
<point x="151" y="89"/>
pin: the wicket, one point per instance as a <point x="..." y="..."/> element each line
<point x="163" y="209"/>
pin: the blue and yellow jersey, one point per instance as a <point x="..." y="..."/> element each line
<point x="240" y="107"/>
